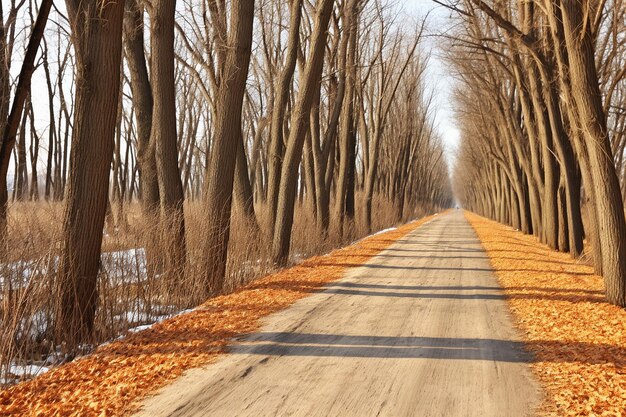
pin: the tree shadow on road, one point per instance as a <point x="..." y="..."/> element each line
<point x="381" y="347"/>
<point x="464" y="292"/>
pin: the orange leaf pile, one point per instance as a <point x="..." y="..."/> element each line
<point x="112" y="380"/>
<point x="577" y="337"/>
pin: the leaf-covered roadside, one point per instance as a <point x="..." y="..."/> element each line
<point x="577" y="337"/>
<point x="112" y="380"/>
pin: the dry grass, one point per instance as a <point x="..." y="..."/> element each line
<point x="111" y="380"/>
<point x="128" y="295"/>
<point x="579" y="339"/>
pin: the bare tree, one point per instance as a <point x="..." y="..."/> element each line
<point x="221" y="168"/>
<point x="559" y="129"/>
<point x="277" y="148"/>
<point x="21" y="93"/>
<point x="299" y="127"/>
<point x="97" y="39"/>
<point x="142" y="102"/>
<point x="163" y="134"/>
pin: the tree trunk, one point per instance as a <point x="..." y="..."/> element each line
<point x="34" y="155"/>
<point x="588" y="100"/>
<point x="51" y="128"/>
<point x="163" y="136"/>
<point x="278" y="114"/>
<point x="9" y="131"/>
<point x="322" y="195"/>
<point x="243" y="188"/>
<point x="19" y="192"/>
<point x="347" y="62"/>
<point x="299" y="126"/>
<point x="221" y="167"/>
<point x="97" y="38"/>
<point x="143" y="103"/>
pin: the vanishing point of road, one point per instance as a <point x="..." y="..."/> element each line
<point x="422" y="329"/>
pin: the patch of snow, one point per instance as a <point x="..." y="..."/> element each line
<point x="35" y="325"/>
<point x="141" y="316"/>
<point x="380" y="232"/>
<point x="22" y="370"/>
<point x="389" y="229"/>
<point x="55" y="358"/>
<point x="140" y="328"/>
<point x="18" y="274"/>
<point x="298" y="257"/>
<point x="158" y="319"/>
<point x="120" y="267"/>
<point x="17" y="372"/>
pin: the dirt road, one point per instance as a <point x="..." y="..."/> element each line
<point x="421" y="330"/>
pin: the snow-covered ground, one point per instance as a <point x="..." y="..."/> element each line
<point x="17" y="372"/>
<point x="142" y="313"/>
<point x="380" y="232"/>
<point x="29" y="369"/>
<point x="120" y="267"/>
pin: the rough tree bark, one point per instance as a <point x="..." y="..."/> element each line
<point x="588" y="99"/>
<point x="299" y="127"/>
<point x="163" y="136"/>
<point x="142" y="102"/>
<point x="221" y="167"/>
<point x="347" y="140"/>
<point x="97" y="38"/>
<point x="243" y="187"/>
<point x="278" y="114"/>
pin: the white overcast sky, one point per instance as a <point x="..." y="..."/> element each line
<point x="439" y="78"/>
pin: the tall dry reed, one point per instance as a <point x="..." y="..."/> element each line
<point x="134" y="286"/>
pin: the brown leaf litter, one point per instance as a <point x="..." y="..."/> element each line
<point x="577" y="337"/>
<point x="112" y="380"/>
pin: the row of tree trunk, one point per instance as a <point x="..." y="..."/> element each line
<point x="339" y="110"/>
<point x="535" y="127"/>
